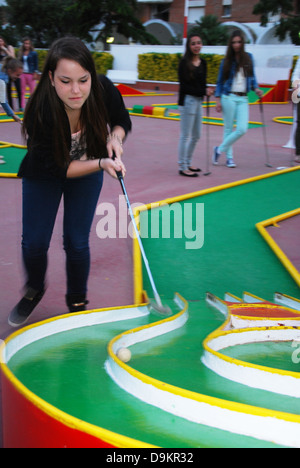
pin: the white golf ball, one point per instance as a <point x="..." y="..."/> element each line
<point x="124" y="354"/>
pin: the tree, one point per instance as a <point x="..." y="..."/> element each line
<point x="211" y="31"/>
<point x="289" y="23"/>
<point x="49" y="20"/>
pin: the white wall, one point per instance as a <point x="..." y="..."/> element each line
<point x="273" y="62"/>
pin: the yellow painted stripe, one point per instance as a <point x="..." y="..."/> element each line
<point x="14" y="145"/>
<point x="279" y="120"/>
<point x="8" y="176"/>
<point x="261" y="227"/>
<point x="218" y="188"/>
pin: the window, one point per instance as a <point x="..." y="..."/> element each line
<point x="161" y="11"/>
<point x="227" y="11"/>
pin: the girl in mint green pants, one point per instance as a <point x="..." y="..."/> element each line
<point x="236" y="79"/>
<point x="235" y="108"/>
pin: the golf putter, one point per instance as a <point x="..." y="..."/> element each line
<point x="268" y="162"/>
<point x="157" y="306"/>
<point x="207" y="173"/>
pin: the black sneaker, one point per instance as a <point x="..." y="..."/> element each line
<point x="21" y="313"/>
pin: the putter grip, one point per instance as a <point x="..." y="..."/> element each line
<point x="119" y="173"/>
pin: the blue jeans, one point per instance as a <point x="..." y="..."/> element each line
<point x="235" y="108"/>
<point x="41" y="200"/>
<point x="190" y="130"/>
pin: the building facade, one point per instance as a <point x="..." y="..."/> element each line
<point x="165" y="18"/>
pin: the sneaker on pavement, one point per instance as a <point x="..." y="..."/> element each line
<point x="216" y="156"/>
<point x="21" y="313"/>
<point x="230" y="163"/>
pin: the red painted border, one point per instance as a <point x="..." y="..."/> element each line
<point x="26" y="426"/>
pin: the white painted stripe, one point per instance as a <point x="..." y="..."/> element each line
<point x="272" y="429"/>
<point x="272" y="380"/>
<point x="287" y="301"/>
<point x="237" y="322"/>
<point x="70" y="322"/>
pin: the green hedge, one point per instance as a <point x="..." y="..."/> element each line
<point x="164" y="67"/>
<point x="103" y="60"/>
<point x="158" y="67"/>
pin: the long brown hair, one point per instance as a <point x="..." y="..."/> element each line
<point x="22" y="48"/>
<point x="5" y="43"/>
<point x="243" y="59"/>
<point x="188" y="56"/>
<point x="45" y="102"/>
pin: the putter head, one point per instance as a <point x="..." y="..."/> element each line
<point x="160" y="310"/>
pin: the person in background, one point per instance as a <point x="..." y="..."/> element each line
<point x="5" y="51"/>
<point x="12" y="69"/>
<point x="9" y="51"/>
<point x="29" y="58"/>
<point x="296" y="94"/>
<point x="75" y="123"/>
<point x="193" y="87"/>
<point x="236" y="79"/>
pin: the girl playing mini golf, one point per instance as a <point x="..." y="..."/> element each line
<point x="73" y="123"/>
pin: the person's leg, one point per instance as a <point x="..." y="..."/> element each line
<point x="31" y="83"/>
<point x="195" y="131"/>
<point x="80" y="201"/>
<point x="41" y="200"/>
<point x="184" y="138"/>
<point x="23" y="85"/>
<point x="18" y="88"/>
<point x="229" y="108"/>
<point x="236" y="108"/>
<point x="297" y="138"/>
<point x="228" y="111"/>
<point x="187" y="118"/>
<point x="9" y="96"/>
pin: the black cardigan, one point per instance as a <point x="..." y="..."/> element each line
<point x="194" y="85"/>
<point x="39" y="160"/>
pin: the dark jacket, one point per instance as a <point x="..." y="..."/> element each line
<point x="39" y="162"/>
<point x="192" y="84"/>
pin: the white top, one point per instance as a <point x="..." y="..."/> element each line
<point x="25" y="64"/>
<point x="239" y="84"/>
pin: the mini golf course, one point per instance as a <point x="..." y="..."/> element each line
<point x="220" y="372"/>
